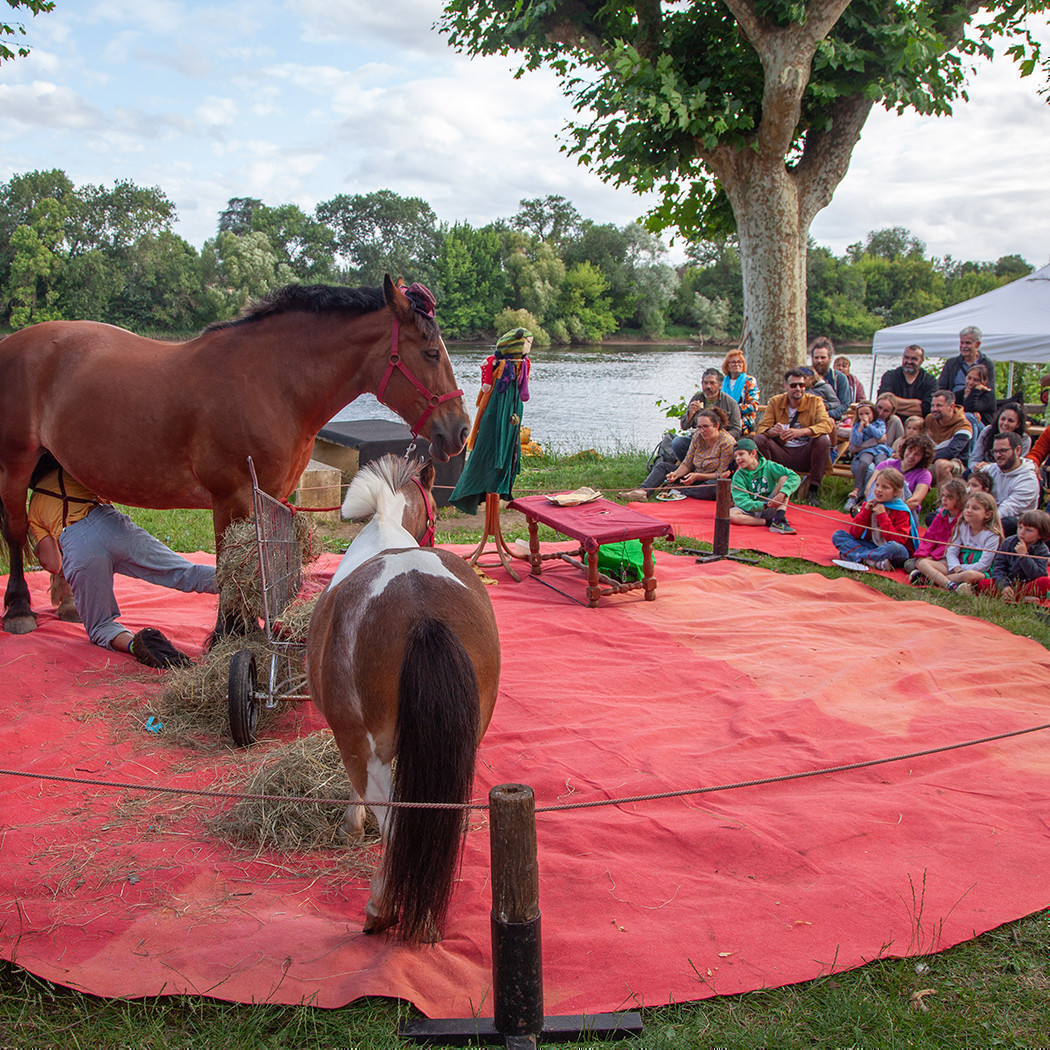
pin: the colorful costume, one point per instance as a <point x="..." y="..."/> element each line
<point x="495" y="440"/>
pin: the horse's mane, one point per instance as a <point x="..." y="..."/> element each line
<point x="315" y="299"/>
<point x="385" y="476"/>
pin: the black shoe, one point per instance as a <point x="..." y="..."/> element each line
<point x="813" y="497"/>
<point x="152" y="649"/>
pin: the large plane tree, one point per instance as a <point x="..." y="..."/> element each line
<point x="743" y="113"/>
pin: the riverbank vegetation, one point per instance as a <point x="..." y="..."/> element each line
<point x="988" y="991"/>
<point x="111" y="254"/>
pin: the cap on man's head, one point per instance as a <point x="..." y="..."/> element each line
<point x="806" y="370"/>
<point x="748" y="444"/>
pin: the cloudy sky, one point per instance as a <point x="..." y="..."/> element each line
<point x="299" y="100"/>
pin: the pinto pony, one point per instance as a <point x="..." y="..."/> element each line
<point x="403" y="659"/>
<point x="156" y="424"/>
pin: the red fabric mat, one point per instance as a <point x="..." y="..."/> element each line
<point x="732" y="674"/>
<point x="812" y="542"/>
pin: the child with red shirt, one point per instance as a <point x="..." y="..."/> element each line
<point x="883" y="532"/>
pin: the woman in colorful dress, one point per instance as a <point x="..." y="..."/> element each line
<point x="742" y="388"/>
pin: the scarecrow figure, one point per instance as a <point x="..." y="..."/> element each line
<point x="495" y="440"/>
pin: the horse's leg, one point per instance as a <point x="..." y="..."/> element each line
<point x="227" y="622"/>
<point x="19" y="617"/>
<point x="61" y="595"/>
<point x="380" y="788"/>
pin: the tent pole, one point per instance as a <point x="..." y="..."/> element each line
<point x="871" y="389"/>
<point x="1010" y="381"/>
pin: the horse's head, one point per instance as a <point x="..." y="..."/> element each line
<point x="419" y="383"/>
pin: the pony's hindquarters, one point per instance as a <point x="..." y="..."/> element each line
<point x="438" y="727"/>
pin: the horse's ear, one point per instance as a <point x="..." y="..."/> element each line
<point x="396" y="299"/>
<point x="427" y="474"/>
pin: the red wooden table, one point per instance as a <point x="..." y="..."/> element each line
<point x="594" y="524"/>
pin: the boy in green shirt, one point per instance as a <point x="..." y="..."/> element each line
<point x="761" y="489"/>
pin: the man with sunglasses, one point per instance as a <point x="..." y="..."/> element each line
<point x="795" y="432"/>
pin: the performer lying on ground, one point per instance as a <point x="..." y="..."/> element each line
<point x="88" y="540"/>
<point x="761" y="490"/>
<point x="1019" y="567"/>
<point x="883" y="533"/>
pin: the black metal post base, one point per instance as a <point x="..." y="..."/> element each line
<point x="481" y="1031"/>
<point x="703" y="557"/>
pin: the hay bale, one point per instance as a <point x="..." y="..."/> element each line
<point x="309" y="767"/>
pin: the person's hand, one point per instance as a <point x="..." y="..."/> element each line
<point x="1021" y="548"/>
<point x="878" y="508"/>
<point x="1008" y="594"/>
<point x="726" y="474"/>
<point x="694" y="407"/>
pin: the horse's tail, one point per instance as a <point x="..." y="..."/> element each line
<point x="437" y="743"/>
<point x="376" y="489"/>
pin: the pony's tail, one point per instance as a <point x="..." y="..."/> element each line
<point x="437" y="743"/>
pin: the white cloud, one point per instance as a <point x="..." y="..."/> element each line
<point x="42" y="104"/>
<point x="216" y="112"/>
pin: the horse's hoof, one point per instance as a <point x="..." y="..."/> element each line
<point x="348" y="836"/>
<point x="67" y="612"/>
<point x="375" y="924"/>
<point x="21" y="624"/>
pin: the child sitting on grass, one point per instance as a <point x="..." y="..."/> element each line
<point x="934" y="543"/>
<point x="1019" y="568"/>
<point x="973" y="546"/>
<point x="883" y="533"/>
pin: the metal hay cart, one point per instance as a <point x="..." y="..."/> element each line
<point x="280" y="571"/>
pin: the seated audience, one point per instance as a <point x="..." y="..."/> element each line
<point x="979" y="481"/>
<point x="815" y="384"/>
<point x="910" y="384"/>
<point x="934" y="543"/>
<point x="867" y="447"/>
<point x="708" y="396"/>
<point x="950" y="433"/>
<point x="856" y="387"/>
<point x="795" y="432"/>
<point x="1015" y="484"/>
<point x="914" y="463"/>
<point x="914" y="426"/>
<point x="1009" y="418"/>
<point x="709" y="457"/>
<point x="1019" y="568"/>
<point x="953" y="374"/>
<point x="742" y="388"/>
<point x="973" y="546"/>
<point x="821" y="351"/>
<point x="886" y="410"/>
<point x="978" y="397"/>
<point x="883" y="533"/>
<point x="761" y="490"/>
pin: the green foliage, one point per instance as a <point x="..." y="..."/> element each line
<point x="11" y="31"/>
<point x="508" y="319"/>
<point x="471" y="284"/>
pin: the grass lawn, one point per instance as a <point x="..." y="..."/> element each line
<point x="991" y="991"/>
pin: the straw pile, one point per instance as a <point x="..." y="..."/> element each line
<point x="309" y="767"/>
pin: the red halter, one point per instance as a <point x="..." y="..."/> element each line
<point x="428" y="536"/>
<point x="433" y="400"/>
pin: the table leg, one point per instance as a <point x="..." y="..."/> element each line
<point x="594" y="590"/>
<point x="534" y="546"/>
<point x="648" y="577"/>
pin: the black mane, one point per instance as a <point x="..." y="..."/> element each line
<point x="309" y="298"/>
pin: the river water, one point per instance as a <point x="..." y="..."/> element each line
<point x="598" y="397"/>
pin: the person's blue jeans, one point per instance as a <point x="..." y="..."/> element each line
<point x="680" y="445"/>
<point x="855" y="550"/>
<point x="106" y="542"/>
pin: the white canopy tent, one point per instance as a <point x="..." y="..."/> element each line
<point x="1014" y="321"/>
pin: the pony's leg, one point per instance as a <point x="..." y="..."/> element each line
<point x="19" y="617"/>
<point x="380" y="787"/>
<point x="61" y="595"/>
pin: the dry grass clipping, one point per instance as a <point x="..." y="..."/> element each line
<point x="309" y="767"/>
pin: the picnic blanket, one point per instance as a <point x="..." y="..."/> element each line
<point x="727" y="677"/>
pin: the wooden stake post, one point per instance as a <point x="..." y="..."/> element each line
<point x="720" y="540"/>
<point x="517" y="957"/>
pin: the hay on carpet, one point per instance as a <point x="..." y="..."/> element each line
<point x="309" y="767"/>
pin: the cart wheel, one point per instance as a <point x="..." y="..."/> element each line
<point x="244" y="704"/>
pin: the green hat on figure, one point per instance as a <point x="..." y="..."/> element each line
<point x="512" y="344"/>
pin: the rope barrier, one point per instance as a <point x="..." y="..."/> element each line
<point x="780" y="778"/>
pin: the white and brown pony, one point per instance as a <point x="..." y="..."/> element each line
<point x="403" y="659"/>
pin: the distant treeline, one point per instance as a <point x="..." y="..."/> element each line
<point x="109" y="254"/>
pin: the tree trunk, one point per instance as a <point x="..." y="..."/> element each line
<point x="773" y="262"/>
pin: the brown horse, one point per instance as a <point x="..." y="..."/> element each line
<point x="156" y="424"/>
<point x="403" y="659"/>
